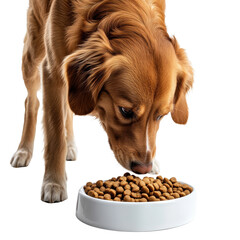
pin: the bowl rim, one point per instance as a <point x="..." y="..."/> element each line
<point x="82" y="192"/>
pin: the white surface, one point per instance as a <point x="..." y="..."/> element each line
<point x="135" y="217"/>
<point x="204" y="152"/>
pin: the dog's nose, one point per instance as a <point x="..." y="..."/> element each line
<point x="141" y="168"/>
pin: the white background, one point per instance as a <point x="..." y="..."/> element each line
<point x="204" y="153"/>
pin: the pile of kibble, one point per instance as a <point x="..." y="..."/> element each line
<point x="129" y="188"/>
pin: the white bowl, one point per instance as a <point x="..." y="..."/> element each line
<point x="135" y="217"/>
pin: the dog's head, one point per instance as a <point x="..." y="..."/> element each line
<point x="130" y="86"/>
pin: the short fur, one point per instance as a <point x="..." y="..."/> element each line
<point x="97" y="56"/>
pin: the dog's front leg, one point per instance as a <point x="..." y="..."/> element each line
<point x="54" y="187"/>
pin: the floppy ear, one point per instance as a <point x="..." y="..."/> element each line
<point x="184" y="83"/>
<point x="86" y="71"/>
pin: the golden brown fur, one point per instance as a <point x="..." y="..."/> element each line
<point x="98" y="56"/>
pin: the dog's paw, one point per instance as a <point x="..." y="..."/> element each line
<point x="155" y="167"/>
<point x="21" y="158"/>
<point x="53" y="192"/>
<point x="71" y="152"/>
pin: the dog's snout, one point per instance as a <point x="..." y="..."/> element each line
<point x="141" y="168"/>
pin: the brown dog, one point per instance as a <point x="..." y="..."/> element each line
<point x="113" y="59"/>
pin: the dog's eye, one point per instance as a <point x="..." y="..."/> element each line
<point x="159" y="117"/>
<point x="127" y="113"/>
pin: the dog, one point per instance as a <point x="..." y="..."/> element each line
<point x="110" y="59"/>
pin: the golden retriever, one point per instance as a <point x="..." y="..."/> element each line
<point x="112" y="59"/>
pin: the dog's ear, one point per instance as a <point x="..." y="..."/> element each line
<point x="86" y="71"/>
<point x="184" y="83"/>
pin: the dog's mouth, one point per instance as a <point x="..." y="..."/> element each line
<point x="141" y="168"/>
<point x="130" y="162"/>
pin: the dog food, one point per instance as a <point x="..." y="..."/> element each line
<point x="129" y="188"/>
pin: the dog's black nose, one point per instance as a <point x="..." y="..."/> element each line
<point x="141" y="168"/>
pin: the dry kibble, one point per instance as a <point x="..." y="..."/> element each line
<point x="92" y="194"/>
<point x="156" y="186"/>
<point x="117" y="199"/>
<point x="99" y="183"/>
<point x="141" y="183"/>
<point x="159" y="183"/>
<point x="136" y="180"/>
<point x="146" y="180"/>
<point x="175" y="195"/>
<point x="170" y="190"/>
<point x="186" y="187"/>
<point x="108" y="184"/>
<point x="127" y="198"/>
<point x="177" y="184"/>
<point x="173" y="179"/>
<point x="150" y="187"/>
<point x="97" y="190"/>
<point x="166" y="194"/>
<point x="127" y="192"/>
<point x="123" y="183"/>
<point x="100" y="193"/>
<point x="133" y="195"/>
<point x="87" y="189"/>
<point x="126" y="174"/>
<point x="89" y="184"/>
<point x="167" y="185"/>
<point x="157" y="194"/>
<point x="120" y="179"/>
<point x="145" y="195"/>
<point x="152" y="198"/>
<point x="135" y="188"/>
<point x="129" y="188"/>
<point x="119" y="195"/>
<point x="119" y="189"/>
<point x="187" y="192"/>
<point x="107" y="190"/>
<point x="160" y="178"/>
<point x="115" y="184"/>
<point x="163" y="189"/>
<point x="112" y="193"/>
<point x="151" y="179"/>
<point x="166" y="180"/>
<point x="129" y="178"/>
<point x="138" y="195"/>
<point x="182" y="194"/>
<point x="107" y="196"/>
<point x="145" y="189"/>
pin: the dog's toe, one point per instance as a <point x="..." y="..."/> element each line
<point x="53" y="192"/>
<point x="155" y="167"/>
<point x="71" y="152"/>
<point x="21" y="158"/>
